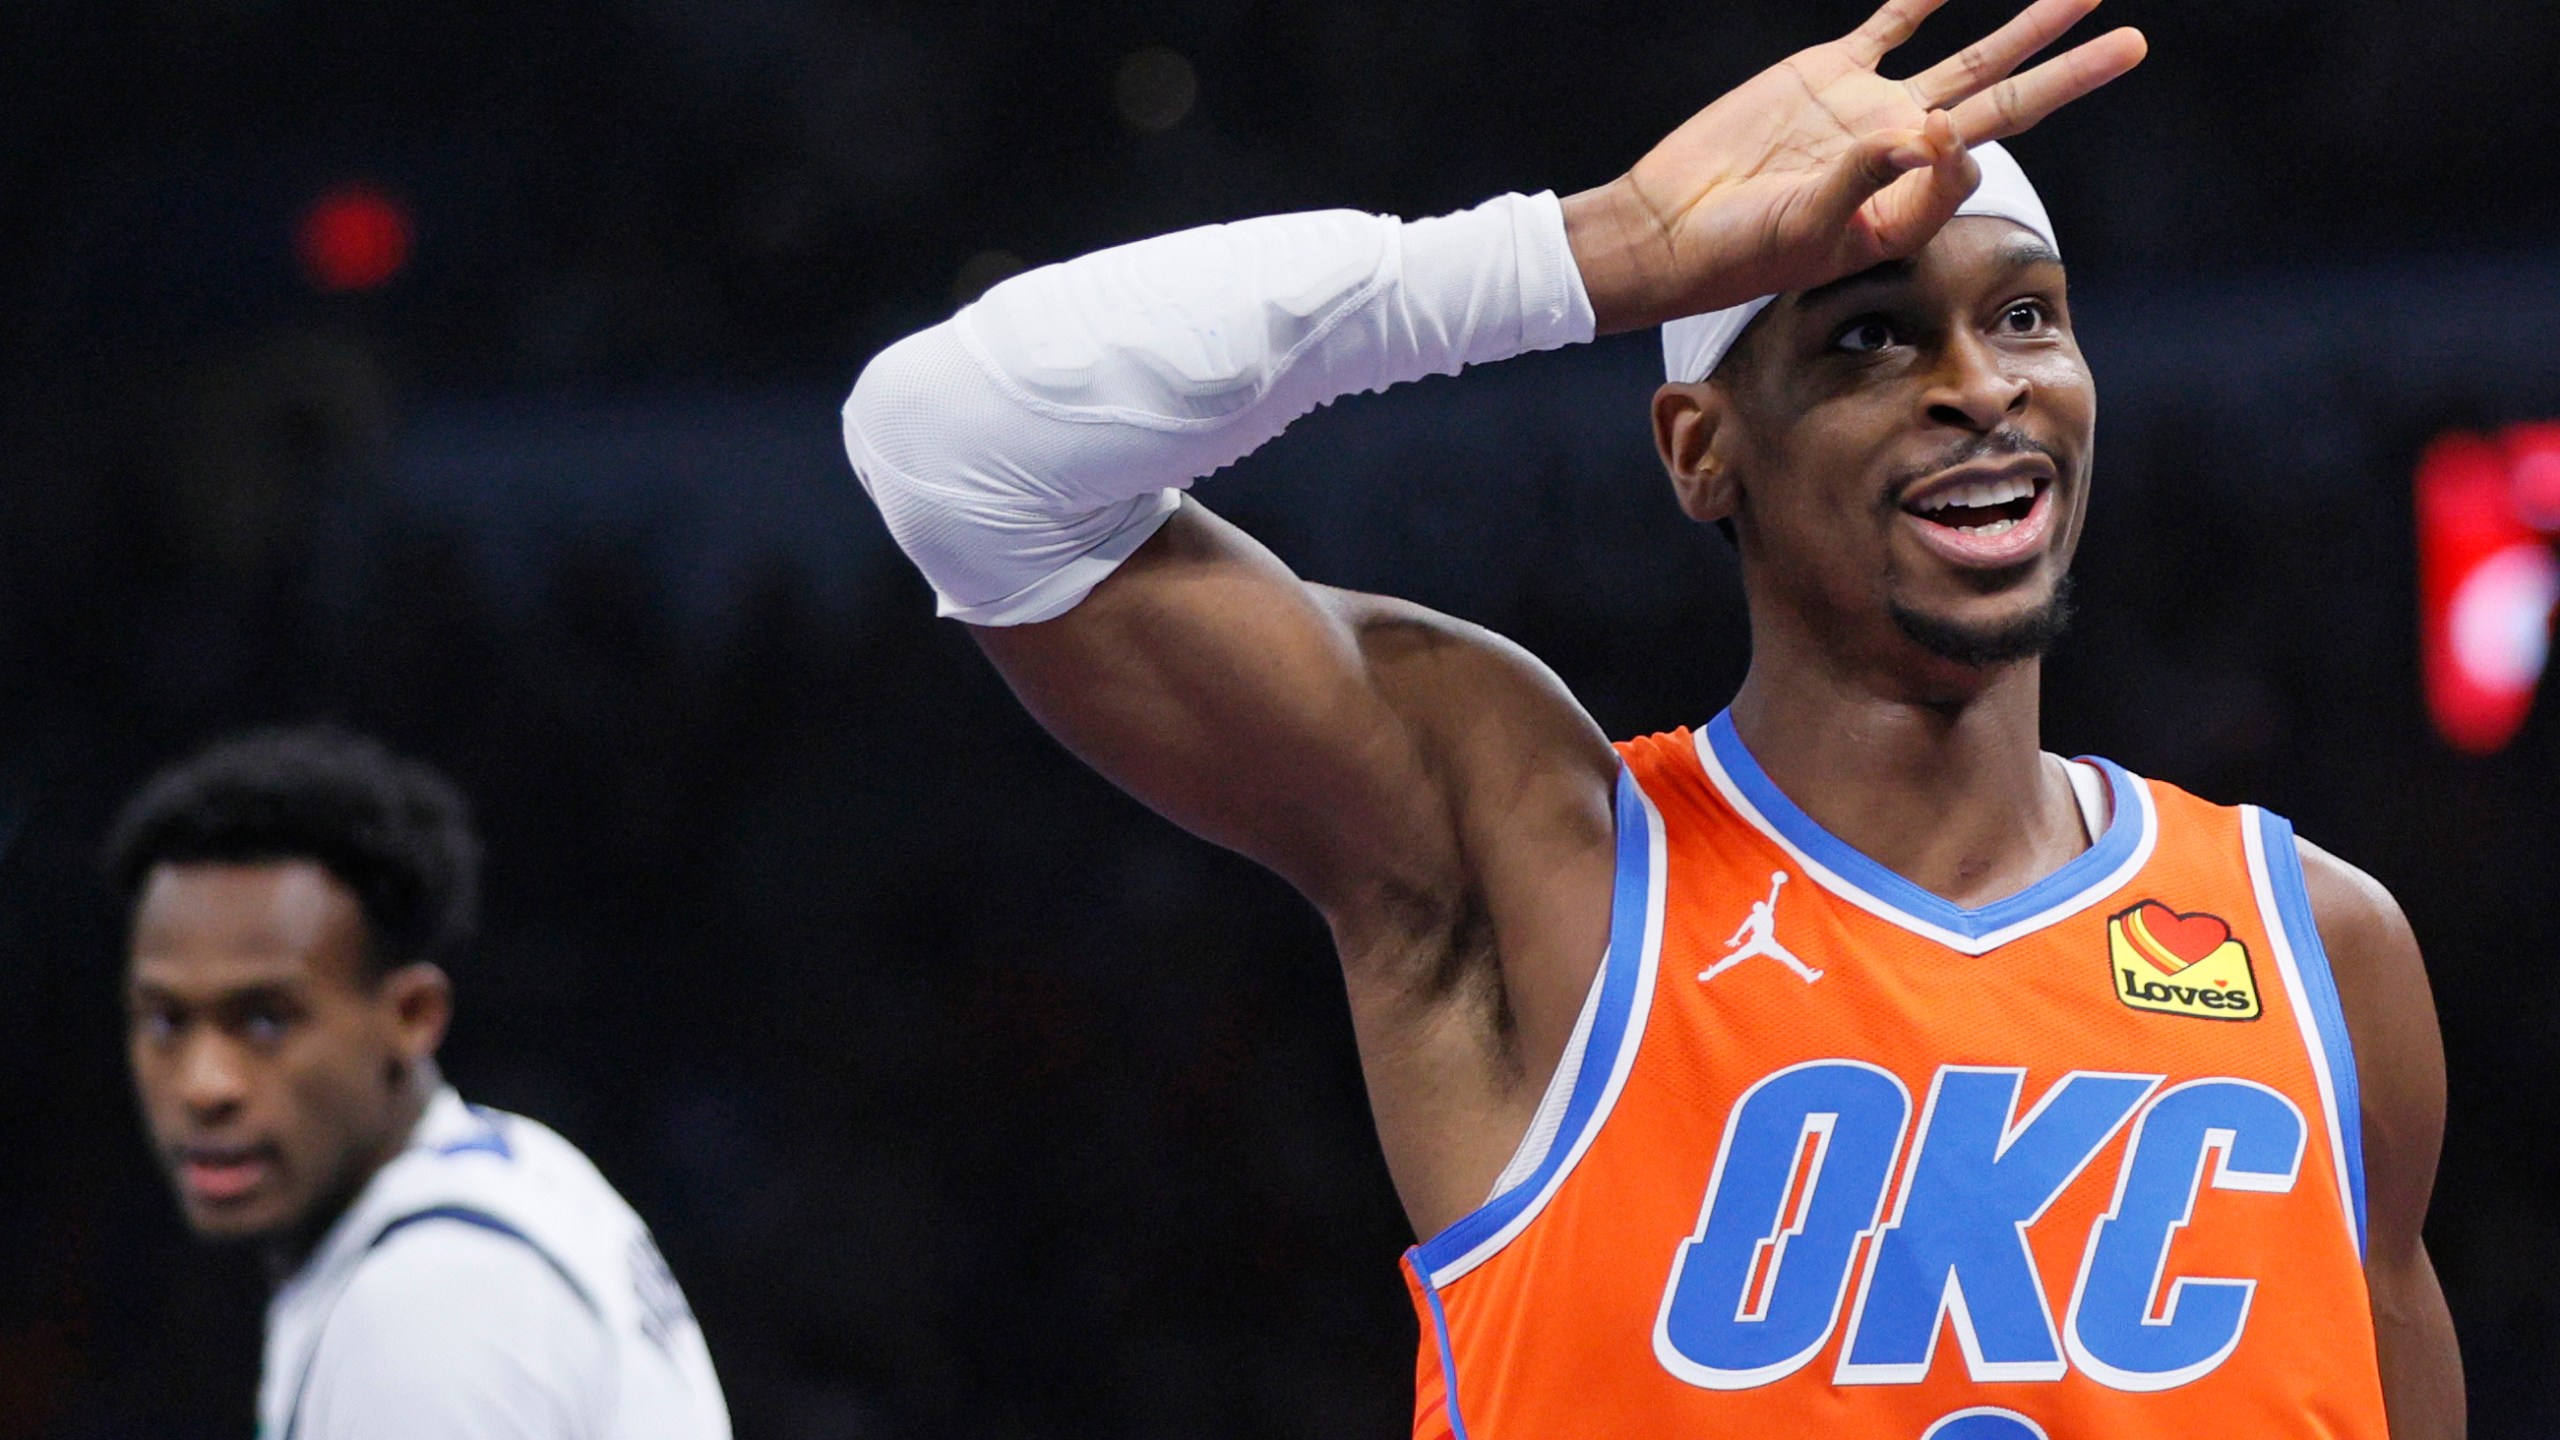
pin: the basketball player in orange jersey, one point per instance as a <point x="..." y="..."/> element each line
<point x="1851" y="1065"/>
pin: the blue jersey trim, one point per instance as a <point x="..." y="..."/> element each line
<point x="488" y="1138"/>
<point x="2112" y="849"/>
<point x="1448" y="1355"/>
<point x="2320" y="992"/>
<point x="1621" y="969"/>
<point x="465" y="1215"/>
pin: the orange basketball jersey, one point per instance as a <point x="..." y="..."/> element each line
<point x="1829" y="1156"/>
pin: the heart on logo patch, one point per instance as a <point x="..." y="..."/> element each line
<point x="2172" y="964"/>
<point x="2189" y="938"/>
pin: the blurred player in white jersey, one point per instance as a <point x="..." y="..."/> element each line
<point x="442" y="1269"/>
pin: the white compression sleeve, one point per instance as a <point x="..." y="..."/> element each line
<point x="1025" y="447"/>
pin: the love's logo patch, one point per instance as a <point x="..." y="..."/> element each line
<point x="2180" y="964"/>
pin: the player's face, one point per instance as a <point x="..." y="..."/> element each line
<point x="1906" y="454"/>
<point x="269" y="1058"/>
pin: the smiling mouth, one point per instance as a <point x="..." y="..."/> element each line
<point x="1985" y="523"/>
<point x="1980" y="509"/>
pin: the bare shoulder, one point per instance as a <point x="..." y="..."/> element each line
<point x="1529" y="773"/>
<point x="2391" y="1018"/>
<point x="2399" y="1065"/>
<point x="1530" y="780"/>
<point x="2372" y="950"/>
<point x="2347" y="897"/>
<point x="1475" y="688"/>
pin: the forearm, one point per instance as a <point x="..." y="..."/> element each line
<point x="1622" y="252"/>
<point x="1023" y="448"/>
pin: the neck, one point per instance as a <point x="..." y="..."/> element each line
<point x="408" y="1101"/>
<point x="1952" y="794"/>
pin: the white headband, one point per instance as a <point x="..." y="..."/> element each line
<point x="1693" y="347"/>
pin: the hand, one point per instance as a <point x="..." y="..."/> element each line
<point x="1819" y="167"/>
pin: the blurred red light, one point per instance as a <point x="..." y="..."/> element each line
<point x="355" y="237"/>
<point x="2486" y="586"/>
<point x="2533" y="465"/>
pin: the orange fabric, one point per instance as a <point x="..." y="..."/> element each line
<point x="1555" y="1333"/>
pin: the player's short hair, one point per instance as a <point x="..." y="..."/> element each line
<point x="390" y="829"/>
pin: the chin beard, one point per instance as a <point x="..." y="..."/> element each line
<point x="1982" y="647"/>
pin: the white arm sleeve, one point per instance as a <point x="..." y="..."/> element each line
<point x="450" y="1332"/>
<point x="1025" y="447"/>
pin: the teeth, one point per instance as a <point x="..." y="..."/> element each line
<point x="2000" y="526"/>
<point x="1978" y="492"/>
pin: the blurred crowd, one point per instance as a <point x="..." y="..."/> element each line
<point x="966" y="1097"/>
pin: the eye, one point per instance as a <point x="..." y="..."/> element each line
<point x="154" y="1025"/>
<point x="2025" y="318"/>
<point x="265" y="1027"/>
<point x="1866" y="335"/>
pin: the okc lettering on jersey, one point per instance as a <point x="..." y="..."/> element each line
<point x="1808" y="1161"/>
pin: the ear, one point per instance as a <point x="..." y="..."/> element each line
<point x="1695" y="434"/>
<point x="419" y="999"/>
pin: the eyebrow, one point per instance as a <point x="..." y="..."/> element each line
<point x="2021" y="253"/>
<point x="140" y="991"/>
<point x="2025" y="251"/>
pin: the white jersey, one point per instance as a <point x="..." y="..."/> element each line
<point x="486" y="1283"/>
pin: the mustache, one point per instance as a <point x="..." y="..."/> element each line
<point x="178" y="1153"/>
<point x="1997" y="445"/>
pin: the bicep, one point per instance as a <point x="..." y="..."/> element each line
<point x="1293" y="724"/>
<point x="450" y="1331"/>
<point x="2399" y="1057"/>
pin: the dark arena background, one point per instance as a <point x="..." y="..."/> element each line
<point x="467" y="373"/>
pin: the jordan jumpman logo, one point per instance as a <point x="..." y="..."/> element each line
<point x="1758" y="935"/>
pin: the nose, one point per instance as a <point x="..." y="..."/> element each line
<point x="211" y="1081"/>
<point x="1972" y="389"/>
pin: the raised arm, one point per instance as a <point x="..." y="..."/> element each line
<point x="1434" y="790"/>
<point x="1028" y="452"/>
<point x="2391" y="1021"/>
